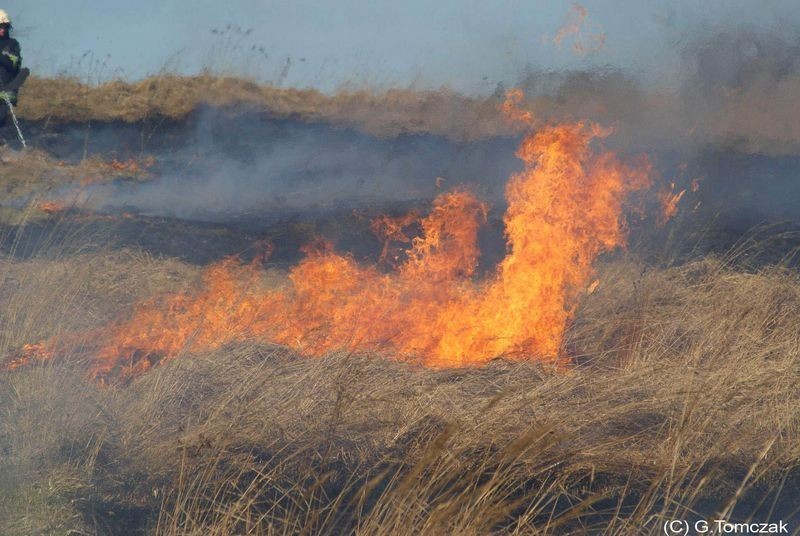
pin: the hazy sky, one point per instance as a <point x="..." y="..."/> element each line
<point x="470" y="45"/>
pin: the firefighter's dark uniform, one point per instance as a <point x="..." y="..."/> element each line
<point x="10" y="60"/>
<point x="10" y="63"/>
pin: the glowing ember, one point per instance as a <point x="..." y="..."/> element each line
<point x="132" y="165"/>
<point x="28" y="354"/>
<point x="564" y="209"/>
<point x="52" y="207"/>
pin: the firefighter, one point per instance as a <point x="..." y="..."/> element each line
<point x="10" y="57"/>
<point x="10" y="64"/>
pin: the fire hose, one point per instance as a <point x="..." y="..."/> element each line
<point x="14" y="119"/>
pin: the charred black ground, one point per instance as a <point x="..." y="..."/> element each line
<point x="224" y="178"/>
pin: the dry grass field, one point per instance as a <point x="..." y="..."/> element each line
<point x="673" y="410"/>
<point x="680" y="402"/>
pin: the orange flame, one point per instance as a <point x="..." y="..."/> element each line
<point x="29" y="354"/>
<point x="669" y="204"/>
<point x="512" y="111"/>
<point x="564" y="209"/>
<point x="582" y="45"/>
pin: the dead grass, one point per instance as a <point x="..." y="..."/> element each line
<point x="394" y="112"/>
<point x="86" y="290"/>
<point x="684" y="404"/>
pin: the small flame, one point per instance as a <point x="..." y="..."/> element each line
<point x="593" y="287"/>
<point x="669" y="204"/>
<point x="584" y="43"/>
<point x="132" y="165"/>
<point x="51" y="207"/>
<point x="512" y="111"/>
<point x="30" y="353"/>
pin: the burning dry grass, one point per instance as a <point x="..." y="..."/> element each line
<point x="682" y="401"/>
<point x="564" y="209"/>
<point x="34" y="174"/>
<point x="685" y="404"/>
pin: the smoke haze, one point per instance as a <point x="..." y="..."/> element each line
<point x="730" y="127"/>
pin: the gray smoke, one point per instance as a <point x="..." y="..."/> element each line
<point x="243" y="165"/>
<point x="739" y="91"/>
<point x="732" y="123"/>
